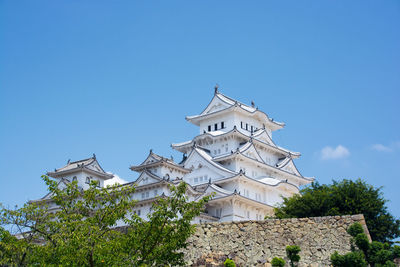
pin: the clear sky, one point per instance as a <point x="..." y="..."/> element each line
<point x="117" y="78"/>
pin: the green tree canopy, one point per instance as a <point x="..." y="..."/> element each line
<point x="80" y="229"/>
<point x="344" y="198"/>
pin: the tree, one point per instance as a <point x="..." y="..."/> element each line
<point x="344" y="198"/>
<point x="80" y="230"/>
<point x="292" y="253"/>
<point x="365" y="253"/>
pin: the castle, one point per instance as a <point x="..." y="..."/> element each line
<point x="233" y="157"/>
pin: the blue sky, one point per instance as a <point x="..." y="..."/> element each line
<point x="117" y="78"/>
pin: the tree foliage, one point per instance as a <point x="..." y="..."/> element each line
<point x="344" y="198"/>
<point x="278" y="262"/>
<point x="80" y="230"/>
<point x="229" y="263"/>
<point x="292" y="253"/>
<point x="365" y="253"/>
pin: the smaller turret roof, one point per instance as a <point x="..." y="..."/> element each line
<point x="90" y="165"/>
<point x="154" y="160"/>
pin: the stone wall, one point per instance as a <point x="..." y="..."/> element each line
<point x="255" y="243"/>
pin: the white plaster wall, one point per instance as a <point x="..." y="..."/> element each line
<point x="81" y="179"/>
<point x="251" y="121"/>
<point x="173" y="174"/>
<point x="226" y="118"/>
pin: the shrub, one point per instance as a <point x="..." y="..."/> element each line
<point x="375" y="254"/>
<point x="229" y="263"/>
<point x="355" y="229"/>
<point x="292" y="253"/>
<point x="278" y="262"/>
<point x="351" y="259"/>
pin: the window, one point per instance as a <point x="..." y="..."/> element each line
<point x="215" y="127"/>
<point x="143" y="195"/>
<point x="251" y="128"/>
<point x="209" y="128"/>
<point x="138" y="212"/>
<point x="247" y="126"/>
<point x="74" y="179"/>
<point x="226" y="148"/>
<point x="248" y="214"/>
<point x="241" y="124"/>
<point x="147" y="194"/>
<point x="87" y="180"/>
<point x="222" y="125"/>
<point x="196" y="180"/>
<point x="155" y="193"/>
<point x="219" y="151"/>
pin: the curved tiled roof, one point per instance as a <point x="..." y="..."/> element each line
<point x="278" y="149"/>
<point x="238" y="153"/>
<point x="90" y="165"/>
<point x="158" y="160"/>
<point x="208" y="158"/>
<point x="236" y="104"/>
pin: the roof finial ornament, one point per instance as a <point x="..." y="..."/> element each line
<point x="252" y="103"/>
<point x="69" y="160"/>
<point x="94" y="156"/>
<point x="151" y="150"/>
<point x="216" y="88"/>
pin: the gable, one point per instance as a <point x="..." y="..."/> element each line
<point x="265" y="138"/>
<point x="216" y="104"/>
<point x="198" y="159"/>
<point x="290" y="167"/>
<point x="146" y="178"/>
<point x="95" y="166"/>
<point x="250" y="151"/>
<point x="150" y="159"/>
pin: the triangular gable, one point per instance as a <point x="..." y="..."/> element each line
<point x="264" y="137"/>
<point x="198" y="157"/>
<point x="95" y="166"/>
<point x="291" y="167"/>
<point x="250" y="151"/>
<point x="216" y="104"/>
<point x="151" y="158"/>
<point x="147" y="178"/>
<point x="216" y="191"/>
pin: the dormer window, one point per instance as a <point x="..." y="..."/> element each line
<point x="222" y="125"/>
<point x="209" y="128"/>
<point x="215" y="126"/>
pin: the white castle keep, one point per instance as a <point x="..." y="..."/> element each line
<point x="233" y="157"/>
